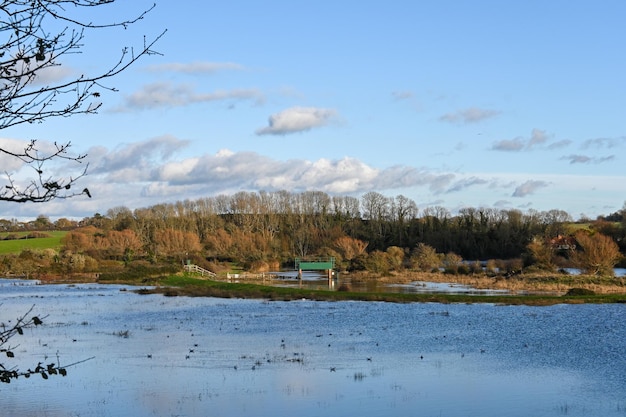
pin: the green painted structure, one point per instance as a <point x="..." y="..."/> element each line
<point x="317" y="264"/>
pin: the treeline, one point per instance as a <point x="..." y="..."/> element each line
<point x="267" y="230"/>
<point x="254" y="227"/>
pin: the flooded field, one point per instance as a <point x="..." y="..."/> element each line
<point x="319" y="281"/>
<point x="178" y="356"/>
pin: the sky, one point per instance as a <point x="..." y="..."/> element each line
<point x="507" y="105"/>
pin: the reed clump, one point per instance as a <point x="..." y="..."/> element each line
<point x="536" y="282"/>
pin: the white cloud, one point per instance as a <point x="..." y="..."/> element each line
<point x="7" y="162"/>
<point x="134" y="162"/>
<point x="198" y="67"/>
<point x="502" y="203"/>
<point x="402" y="95"/>
<point x="584" y="159"/>
<point x="509" y="145"/>
<point x="228" y="171"/>
<point x="150" y="172"/>
<point x="469" y="115"/>
<point x="560" y="144"/>
<point x="51" y="75"/>
<point x="537" y="137"/>
<point x="298" y="119"/>
<point x="23" y="172"/>
<point x="466" y="183"/>
<point x="529" y="187"/>
<point x="165" y="94"/>
<point x="604" y="143"/>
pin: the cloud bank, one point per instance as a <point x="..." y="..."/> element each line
<point x="160" y="170"/>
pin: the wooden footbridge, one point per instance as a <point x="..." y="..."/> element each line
<point x="195" y="269"/>
<point x="300" y="264"/>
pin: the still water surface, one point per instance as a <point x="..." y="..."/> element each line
<point x="162" y="356"/>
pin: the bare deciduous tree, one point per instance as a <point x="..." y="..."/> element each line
<point x="36" y="37"/>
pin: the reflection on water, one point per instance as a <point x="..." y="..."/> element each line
<point x="420" y="287"/>
<point x="318" y="281"/>
<point x="173" y="356"/>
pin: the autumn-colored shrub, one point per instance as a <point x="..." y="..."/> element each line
<point x="597" y="253"/>
<point x="425" y="258"/>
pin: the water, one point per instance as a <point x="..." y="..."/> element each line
<point x="319" y="281"/>
<point x="178" y="356"/>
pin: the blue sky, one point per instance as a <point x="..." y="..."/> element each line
<point x="510" y="105"/>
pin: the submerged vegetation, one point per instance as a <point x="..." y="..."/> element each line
<point x="194" y="287"/>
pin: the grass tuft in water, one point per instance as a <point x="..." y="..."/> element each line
<point x="122" y="333"/>
<point x="359" y="376"/>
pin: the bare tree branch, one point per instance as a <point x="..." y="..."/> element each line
<point x="37" y="35"/>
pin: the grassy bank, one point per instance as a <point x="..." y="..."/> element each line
<point x="20" y="242"/>
<point x="194" y="287"/>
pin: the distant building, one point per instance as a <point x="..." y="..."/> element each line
<point x="563" y="243"/>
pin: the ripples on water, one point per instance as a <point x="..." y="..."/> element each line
<point x="160" y="356"/>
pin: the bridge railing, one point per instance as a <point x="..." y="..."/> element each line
<point x="315" y="264"/>
<point x="195" y="269"/>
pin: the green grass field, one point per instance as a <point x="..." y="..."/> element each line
<point x="17" y="245"/>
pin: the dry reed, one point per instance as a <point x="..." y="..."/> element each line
<point x="523" y="283"/>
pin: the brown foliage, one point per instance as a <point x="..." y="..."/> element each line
<point x="543" y="254"/>
<point x="76" y="241"/>
<point x="378" y="262"/>
<point x="598" y="254"/>
<point x="219" y="242"/>
<point x="172" y="242"/>
<point x="425" y="257"/>
<point x="122" y="242"/>
<point x="350" y="247"/>
<point x="92" y="240"/>
<point x="395" y="257"/>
